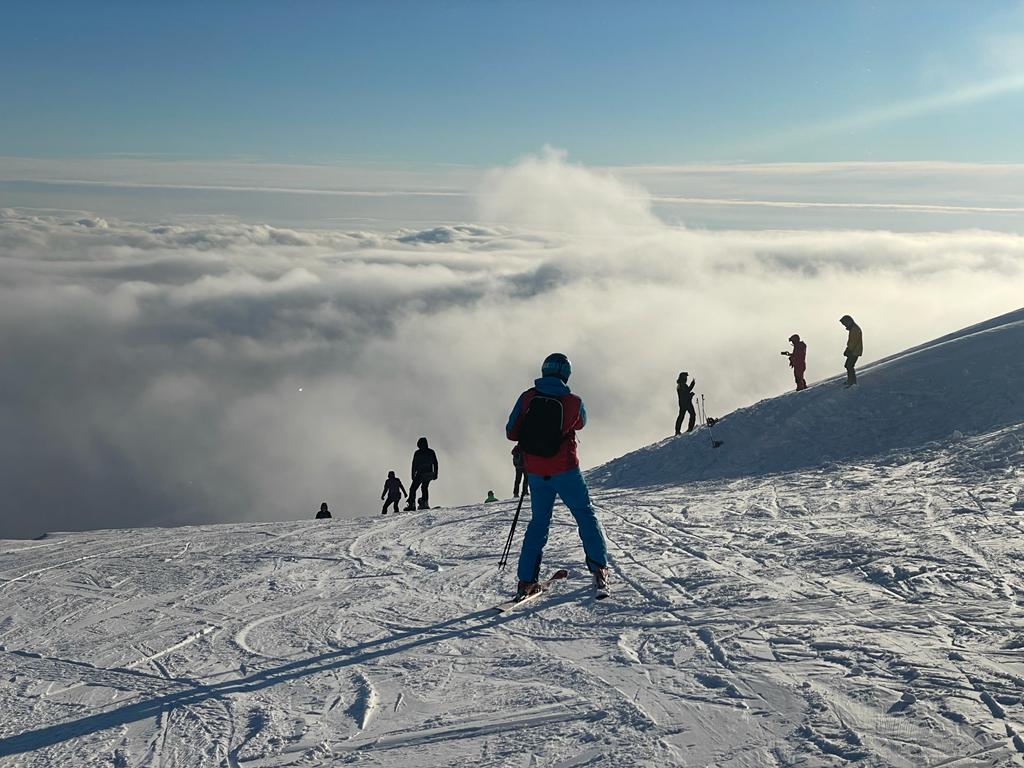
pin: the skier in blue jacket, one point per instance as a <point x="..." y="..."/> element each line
<point x="555" y="471"/>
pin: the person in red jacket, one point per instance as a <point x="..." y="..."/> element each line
<point x="544" y="423"/>
<point x="798" y="361"/>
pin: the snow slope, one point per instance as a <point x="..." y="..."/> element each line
<point x="864" y="610"/>
<point x="964" y="383"/>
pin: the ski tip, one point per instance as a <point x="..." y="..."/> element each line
<point x="561" y="573"/>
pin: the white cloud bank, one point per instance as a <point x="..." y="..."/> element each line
<point x="171" y="373"/>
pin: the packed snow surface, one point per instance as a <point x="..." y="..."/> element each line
<point x="840" y="583"/>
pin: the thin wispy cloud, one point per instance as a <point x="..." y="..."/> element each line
<point x="921" y="207"/>
<point x="946" y="100"/>
<point x="951" y="99"/>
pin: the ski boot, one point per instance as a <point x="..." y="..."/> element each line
<point x="601" y="581"/>
<point x="423" y="504"/>
<point x="410" y="507"/>
<point x="525" y="589"/>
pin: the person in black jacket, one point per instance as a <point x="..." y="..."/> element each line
<point x="424" y="469"/>
<point x="685" y="393"/>
<point x="517" y="462"/>
<point x="324" y="513"/>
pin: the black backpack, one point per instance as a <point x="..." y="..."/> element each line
<point x="541" y="432"/>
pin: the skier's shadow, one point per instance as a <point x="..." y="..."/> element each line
<point x="466" y="625"/>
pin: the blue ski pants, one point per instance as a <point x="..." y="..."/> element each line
<point x="573" y="492"/>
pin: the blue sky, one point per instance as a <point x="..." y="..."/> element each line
<point x="484" y="82"/>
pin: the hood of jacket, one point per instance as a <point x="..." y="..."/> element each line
<point x="552" y="386"/>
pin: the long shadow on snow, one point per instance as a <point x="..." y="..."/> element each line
<point x="358" y="654"/>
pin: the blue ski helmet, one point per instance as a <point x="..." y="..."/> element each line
<point x="556" y="364"/>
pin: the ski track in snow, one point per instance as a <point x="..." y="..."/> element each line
<point x="862" y="612"/>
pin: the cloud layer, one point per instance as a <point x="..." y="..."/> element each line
<point x="903" y="196"/>
<point x="166" y="373"/>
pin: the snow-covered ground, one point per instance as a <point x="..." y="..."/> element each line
<point x="839" y="583"/>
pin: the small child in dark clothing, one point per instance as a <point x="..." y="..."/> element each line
<point x="517" y="462"/>
<point x="393" y="493"/>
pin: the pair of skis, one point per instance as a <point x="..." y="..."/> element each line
<point x="709" y="423"/>
<point x="600" y="592"/>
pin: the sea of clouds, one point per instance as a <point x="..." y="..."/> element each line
<point x="159" y="373"/>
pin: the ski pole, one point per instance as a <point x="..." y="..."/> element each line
<point x="704" y="418"/>
<point x="711" y="434"/>
<point x="508" y="543"/>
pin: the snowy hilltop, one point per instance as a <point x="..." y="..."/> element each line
<point x="840" y="582"/>
<point x="966" y="383"/>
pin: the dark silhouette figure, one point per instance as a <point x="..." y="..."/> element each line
<point x="798" y="361"/>
<point x="517" y="462"/>
<point x="392" y="493"/>
<point x="685" y="393"/>
<point x="324" y="513"/>
<point x="854" y="348"/>
<point x="424" y="469"/>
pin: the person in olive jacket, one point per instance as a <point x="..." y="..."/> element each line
<point x="854" y="348"/>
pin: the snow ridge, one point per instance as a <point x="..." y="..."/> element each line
<point x="967" y="383"/>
